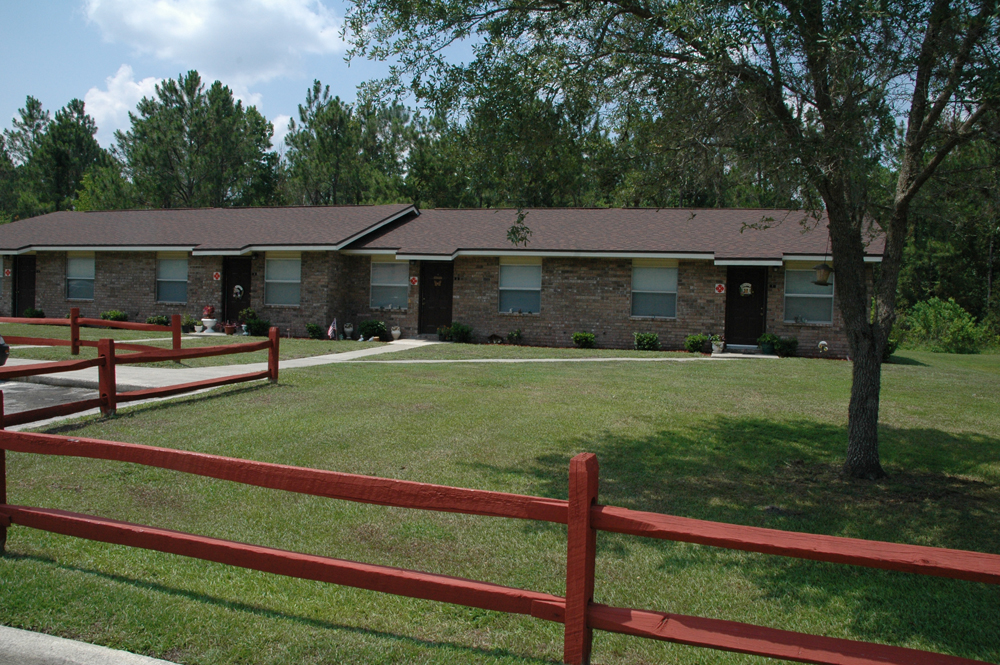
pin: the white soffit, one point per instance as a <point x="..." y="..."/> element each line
<point x="748" y="262"/>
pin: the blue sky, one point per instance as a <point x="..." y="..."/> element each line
<point x="110" y="53"/>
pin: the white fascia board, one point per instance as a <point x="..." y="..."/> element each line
<point x="371" y="229"/>
<point x="828" y="257"/>
<point x="586" y="255"/>
<point x="873" y="259"/>
<point x="264" y="248"/>
<point x="747" y="262"/>
<point x="113" y="248"/>
<point x="368" y="252"/>
<point x="424" y="257"/>
<point x="219" y="252"/>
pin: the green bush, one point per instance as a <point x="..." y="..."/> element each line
<point x="444" y="333"/>
<point x="786" y="347"/>
<point x="944" y="327"/>
<point x="114" y="315"/>
<point x="768" y="338"/>
<point x="32" y="313"/>
<point x="461" y="333"/>
<point x="372" y="328"/>
<point x="158" y="320"/>
<point x="584" y="340"/>
<point x="258" y="327"/>
<point x="315" y="332"/>
<point x="514" y="336"/>
<point x="646" y="341"/>
<point x="890" y="348"/>
<point x="695" y="343"/>
<point x="188" y="320"/>
<point x="247" y="314"/>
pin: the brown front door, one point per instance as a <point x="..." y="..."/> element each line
<point x="746" y="304"/>
<point x="235" y="287"/>
<point x="435" y="295"/>
<point x="24" y="284"/>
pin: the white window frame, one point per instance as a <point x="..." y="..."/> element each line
<point x="404" y="285"/>
<point x="518" y="261"/>
<point x="281" y="256"/>
<point x="91" y="279"/>
<point x="825" y="296"/>
<point x="643" y="264"/>
<point x="172" y="256"/>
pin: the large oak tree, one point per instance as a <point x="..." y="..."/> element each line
<point x="843" y="92"/>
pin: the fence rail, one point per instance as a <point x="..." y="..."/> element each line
<point x="74" y="321"/>
<point x="580" y="512"/>
<point x="108" y="359"/>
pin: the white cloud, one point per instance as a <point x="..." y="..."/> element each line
<point x="241" y="42"/>
<point x="280" y="129"/>
<point x="110" y="107"/>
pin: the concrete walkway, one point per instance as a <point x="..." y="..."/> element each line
<point x="23" y="647"/>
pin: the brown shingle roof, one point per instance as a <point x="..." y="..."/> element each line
<point x="710" y="231"/>
<point x="204" y="229"/>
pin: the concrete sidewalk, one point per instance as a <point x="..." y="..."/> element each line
<point x="23" y="647"/>
<point x="130" y="377"/>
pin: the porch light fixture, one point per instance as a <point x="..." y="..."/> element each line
<point x="823" y="271"/>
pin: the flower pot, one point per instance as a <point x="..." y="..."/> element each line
<point x="767" y="348"/>
<point x="230" y="328"/>
<point x="198" y="328"/>
<point x="348" y="330"/>
<point x="396" y="332"/>
<point x="717" y="347"/>
<point x="209" y="324"/>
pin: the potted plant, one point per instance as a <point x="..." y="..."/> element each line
<point x="208" y="318"/>
<point x="348" y="330"/>
<point x="718" y="343"/>
<point x="767" y="342"/>
<point x="396" y="332"/>
<point x="189" y="324"/>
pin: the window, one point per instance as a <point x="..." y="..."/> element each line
<point x="282" y="280"/>
<point x="806" y="302"/>
<point x="171" y="277"/>
<point x="390" y="284"/>
<point x="654" y="290"/>
<point x="520" y="285"/>
<point x="80" y="276"/>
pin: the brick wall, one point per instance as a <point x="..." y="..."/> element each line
<point x="355" y="298"/>
<point x="808" y="334"/>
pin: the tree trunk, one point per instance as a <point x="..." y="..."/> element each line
<point x="862" y="420"/>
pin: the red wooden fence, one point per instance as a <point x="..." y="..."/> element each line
<point x="107" y="360"/>
<point x="75" y="321"/>
<point x="584" y="517"/>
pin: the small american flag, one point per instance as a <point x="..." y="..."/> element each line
<point x="332" y="332"/>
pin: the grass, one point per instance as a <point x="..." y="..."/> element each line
<point x="504" y="351"/>
<point x="287" y="349"/>
<point x="748" y="442"/>
<point x="62" y="332"/>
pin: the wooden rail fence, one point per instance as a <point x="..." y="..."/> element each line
<point x="108" y="359"/>
<point x="75" y="321"/>
<point x="581" y="512"/>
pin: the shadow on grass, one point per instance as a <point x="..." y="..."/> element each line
<point x="786" y="475"/>
<point x="269" y="613"/>
<point x="902" y="360"/>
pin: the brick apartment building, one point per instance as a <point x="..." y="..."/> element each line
<point x="611" y="272"/>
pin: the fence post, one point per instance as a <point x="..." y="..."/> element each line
<point x="175" y="323"/>
<point x="581" y="550"/>
<point x="74" y="330"/>
<point x="108" y="387"/>
<point x="272" y="354"/>
<point x="3" y="482"/>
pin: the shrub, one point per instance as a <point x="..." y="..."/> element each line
<point x="158" y="320"/>
<point x="514" y="336"/>
<point x="695" y="343"/>
<point x="786" y="347"/>
<point x="768" y="338"/>
<point x="444" y="333"/>
<point x="372" y="328"/>
<point x="258" y="327"/>
<point x="584" y="340"/>
<point x="314" y="331"/>
<point x="945" y="327"/>
<point x="890" y="348"/>
<point x="461" y="333"/>
<point x="32" y="313"/>
<point x="646" y="341"/>
<point x="247" y="314"/>
<point x="114" y="315"/>
<point x="188" y="320"/>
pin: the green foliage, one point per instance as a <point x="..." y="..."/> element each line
<point x="258" y="327"/>
<point x="515" y="336"/>
<point x="945" y="327"/>
<point x="65" y="153"/>
<point x="695" y="343"/>
<point x="188" y="320"/>
<point x="157" y="320"/>
<point x="786" y="347"/>
<point x="461" y="333"/>
<point x="890" y="348"/>
<point x="444" y="333"/>
<point x="768" y="338"/>
<point x="315" y="331"/>
<point x="114" y="315"/>
<point x="371" y="328"/>
<point x="646" y="341"/>
<point x="246" y="315"/>
<point x="584" y="340"/>
<point x="32" y="313"/>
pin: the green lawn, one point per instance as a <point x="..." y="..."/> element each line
<point x="287" y="349"/>
<point x="504" y="351"/>
<point x="62" y="332"/>
<point x="748" y="442"/>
